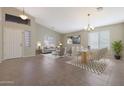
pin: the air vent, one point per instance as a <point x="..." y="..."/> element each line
<point x="16" y="19"/>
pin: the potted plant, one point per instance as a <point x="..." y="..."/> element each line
<point x="117" y="48"/>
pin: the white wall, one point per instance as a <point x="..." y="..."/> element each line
<point x="37" y="31"/>
<point x="42" y="32"/>
<point x="0" y="34"/>
<point x="83" y="36"/>
<point x="27" y="51"/>
<point x="116" y="33"/>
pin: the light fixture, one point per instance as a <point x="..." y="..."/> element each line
<point x="89" y="27"/>
<point x="39" y="45"/>
<point x="60" y="44"/>
<point x="69" y="41"/>
<point x="23" y="16"/>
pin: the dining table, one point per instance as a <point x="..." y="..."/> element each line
<point x="85" y="56"/>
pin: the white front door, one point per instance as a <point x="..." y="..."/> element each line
<point x="12" y="43"/>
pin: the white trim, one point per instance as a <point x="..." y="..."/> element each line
<point x="17" y="57"/>
<point x="0" y="60"/>
<point x="29" y="56"/>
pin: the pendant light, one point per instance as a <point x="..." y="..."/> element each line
<point x="89" y="27"/>
<point x="23" y="16"/>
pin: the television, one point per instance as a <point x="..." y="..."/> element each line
<point x="75" y="39"/>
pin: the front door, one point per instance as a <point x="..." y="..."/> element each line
<point x="12" y="43"/>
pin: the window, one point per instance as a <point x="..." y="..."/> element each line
<point x="16" y="19"/>
<point x="98" y="39"/>
<point x="49" y="41"/>
<point x="27" y="38"/>
<point x="93" y="40"/>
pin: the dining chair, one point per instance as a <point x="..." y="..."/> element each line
<point x="97" y="54"/>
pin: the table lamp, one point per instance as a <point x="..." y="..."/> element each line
<point x="39" y="45"/>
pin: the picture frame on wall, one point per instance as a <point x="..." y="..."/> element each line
<point x="75" y="39"/>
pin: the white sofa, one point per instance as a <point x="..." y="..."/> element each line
<point x="46" y="50"/>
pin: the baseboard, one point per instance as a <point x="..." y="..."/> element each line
<point x="29" y="56"/>
<point x="1" y="60"/>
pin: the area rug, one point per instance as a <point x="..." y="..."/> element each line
<point x="95" y="67"/>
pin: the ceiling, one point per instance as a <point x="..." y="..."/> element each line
<point x="71" y="19"/>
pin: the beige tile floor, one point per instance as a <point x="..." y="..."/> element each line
<point x="48" y="71"/>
